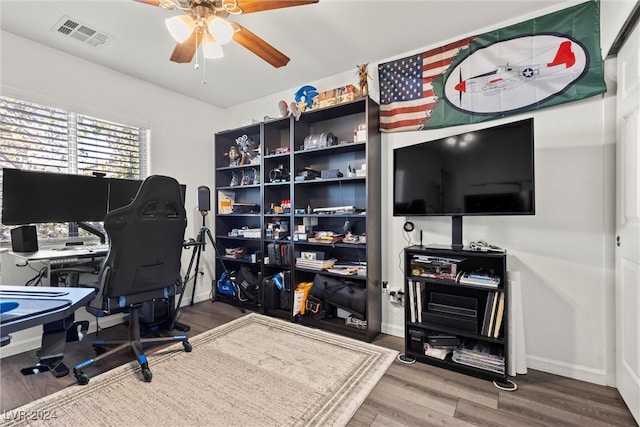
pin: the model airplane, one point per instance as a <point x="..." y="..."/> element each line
<point x="506" y="77"/>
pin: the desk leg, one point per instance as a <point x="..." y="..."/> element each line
<point x="54" y="338"/>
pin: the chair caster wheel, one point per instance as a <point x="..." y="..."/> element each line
<point x="147" y="375"/>
<point x="99" y="349"/>
<point x="187" y="346"/>
<point x="82" y="379"/>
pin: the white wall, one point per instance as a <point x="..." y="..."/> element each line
<point x="182" y="132"/>
<point x="563" y="253"/>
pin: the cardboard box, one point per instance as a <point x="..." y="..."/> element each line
<point x="252" y="233"/>
<point x="313" y="255"/>
<point x="335" y="96"/>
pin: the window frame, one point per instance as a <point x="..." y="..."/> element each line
<point x="41" y="137"/>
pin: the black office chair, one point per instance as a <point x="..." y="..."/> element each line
<point x="143" y="264"/>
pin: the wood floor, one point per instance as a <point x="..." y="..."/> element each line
<point x="407" y="395"/>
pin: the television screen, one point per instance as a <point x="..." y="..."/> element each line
<point x="483" y="172"/>
<point x="44" y="197"/>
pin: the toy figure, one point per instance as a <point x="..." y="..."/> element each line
<point x="234" y="156"/>
<point x="363" y="74"/>
<point x="304" y="97"/>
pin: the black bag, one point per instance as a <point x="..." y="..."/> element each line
<point x="285" y="292"/>
<point x="248" y="285"/>
<point x="271" y="293"/>
<point x="279" y="254"/>
<point x="318" y="309"/>
<point x="347" y="295"/>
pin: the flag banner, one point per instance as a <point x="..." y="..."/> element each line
<point x="539" y="63"/>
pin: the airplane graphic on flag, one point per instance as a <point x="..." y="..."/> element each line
<point x="539" y="63"/>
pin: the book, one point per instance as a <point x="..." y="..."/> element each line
<point x="412" y="300"/>
<point x="494" y="304"/>
<point x="317" y="264"/>
<point x="487" y="314"/>
<point x="419" y="301"/>
<point x="499" y="316"/>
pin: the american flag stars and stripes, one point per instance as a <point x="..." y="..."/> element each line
<point x="407" y="95"/>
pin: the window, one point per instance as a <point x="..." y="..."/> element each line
<point x="43" y="138"/>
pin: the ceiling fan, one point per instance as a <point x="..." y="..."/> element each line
<point x="205" y="21"/>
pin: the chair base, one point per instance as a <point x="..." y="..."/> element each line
<point x="134" y="343"/>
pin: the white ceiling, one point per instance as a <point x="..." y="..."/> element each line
<point x="322" y="39"/>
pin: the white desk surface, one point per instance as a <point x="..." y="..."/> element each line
<point x="80" y="251"/>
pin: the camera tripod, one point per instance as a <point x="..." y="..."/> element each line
<point x="198" y="248"/>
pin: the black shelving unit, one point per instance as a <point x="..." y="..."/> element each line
<point x="449" y="314"/>
<point x="287" y="202"/>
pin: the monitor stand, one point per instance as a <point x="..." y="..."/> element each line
<point x="91" y="229"/>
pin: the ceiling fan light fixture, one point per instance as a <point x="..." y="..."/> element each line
<point x="180" y="27"/>
<point x="221" y="29"/>
<point x="212" y="48"/>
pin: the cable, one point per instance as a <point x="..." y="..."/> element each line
<point x="35" y="281"/>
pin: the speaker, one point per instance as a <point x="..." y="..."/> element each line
<point x="24" y="239"/>
<point x="204" y="198"/>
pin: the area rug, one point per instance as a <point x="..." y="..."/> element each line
<point x="253" y="371"/>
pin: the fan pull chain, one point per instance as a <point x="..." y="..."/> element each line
<point x="196" y="65"/>
<point x="204" y="65"/>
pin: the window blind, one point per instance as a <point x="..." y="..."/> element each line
<point x="49" y="139"/>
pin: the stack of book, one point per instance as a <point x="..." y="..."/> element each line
<point x="349" y="269"/>
<point x="480" y="357"/>
<point x="315" y="264"/>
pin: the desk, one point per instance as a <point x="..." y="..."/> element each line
<point x="52" y="307"/>
<point x="64" y="253"/>
<point x="70" y="260"/>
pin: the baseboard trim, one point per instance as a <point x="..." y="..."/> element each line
<point x="582" y="373"/>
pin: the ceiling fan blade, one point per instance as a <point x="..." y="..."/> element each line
<point x="250" y="6"/>
<point x="184" y="51"/>
<point x="260" y="47"/>
<point x="150" y="2"/>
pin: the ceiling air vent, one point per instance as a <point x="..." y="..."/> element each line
<point x="70" y="27"/>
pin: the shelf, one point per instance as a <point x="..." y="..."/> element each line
<point x="255" y="239"/>
<point x="335" y="245"/>
<point x="280" y="141"/>
<point x="454" y="331"/>
<point x="448" y="282"/>
<point x="448" y="363"/>
<point x="238" y="187"/>
<point x="332" y="180"/>
<point x="273" y="184"/>
<point x="339" y="148"/>
<point x="232" y="168"/>
<point x="240" y="260"/>
<point x="231" y="215"/>
<point x="450" y="299"/>
<point x="276" y="156"/>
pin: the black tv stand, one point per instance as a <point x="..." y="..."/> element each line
<point x="456" y="233"/>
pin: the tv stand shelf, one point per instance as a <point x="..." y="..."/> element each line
<point x="454" y="325"/>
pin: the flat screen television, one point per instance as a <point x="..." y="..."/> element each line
<point x="488" y="171"/>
